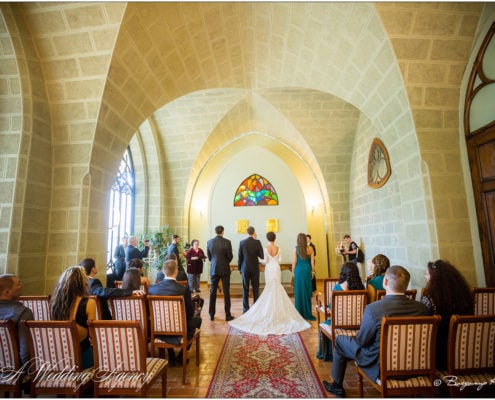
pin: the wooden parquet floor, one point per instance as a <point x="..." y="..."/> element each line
<point x="213" y="335"/>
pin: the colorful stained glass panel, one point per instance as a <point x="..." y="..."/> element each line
<point x="255" y="191"/>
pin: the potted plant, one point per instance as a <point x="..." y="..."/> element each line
<point x="159" y="242"/>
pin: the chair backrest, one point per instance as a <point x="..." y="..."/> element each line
<point x="129" y="309"/>
<point x="348" y="308"/>
<point x="167" y="316"/>
<point x="39" y="305"/>
<point x="484" y="301"/>
<point x="407" y="346"/>
<point x="54" y="346"/>
<point x="143" y="287"/>
<point x="183" y="283"/>
<point x="328" y="285"/>
<point x="9" y="351"/>
<point x="117" y="346"/>
<point x="471" y="344"/>
<point x="99" y="309"/>
<point x="409" y="293"/>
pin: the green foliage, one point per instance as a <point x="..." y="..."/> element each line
<point x="159" y="242"/>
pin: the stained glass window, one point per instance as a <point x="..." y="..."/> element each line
<point x="255" y="191"/>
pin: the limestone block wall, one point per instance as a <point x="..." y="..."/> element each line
<point x="432" y="42"/>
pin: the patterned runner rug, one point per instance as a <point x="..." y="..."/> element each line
<point x="273" y="366"/>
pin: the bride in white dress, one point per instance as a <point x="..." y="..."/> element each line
<point x="273" y="313"/>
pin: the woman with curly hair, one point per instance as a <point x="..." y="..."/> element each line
<point x="446" y="293"/>
<point x="349" y="279"/>
<point x="70" y="301"/>
<point x="376" y="268"/>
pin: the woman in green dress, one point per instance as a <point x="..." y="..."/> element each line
<point x="303" y="268"/>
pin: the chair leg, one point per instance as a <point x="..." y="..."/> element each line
<point x="360" y="383"/>
<point x="164" y="382"/>
<point x="197" y="350"/>
<point x="184" y="363"/>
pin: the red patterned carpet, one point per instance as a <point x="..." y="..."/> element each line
<point x="273" y="366"/>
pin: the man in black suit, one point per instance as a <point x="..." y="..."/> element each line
<point x="219" y="252"/>
<point x="250" y="250"/>
<point x="364" y="348"/>
<point x="96" y="288"/>
<point x="132" y="251"/>
<point x="170" y="287"/>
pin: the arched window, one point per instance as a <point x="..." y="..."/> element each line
<point x="255" y="191"/>
<point x="121" y="215"/>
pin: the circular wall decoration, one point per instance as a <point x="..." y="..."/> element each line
<point x="378" y="165"/>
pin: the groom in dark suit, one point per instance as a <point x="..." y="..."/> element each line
<point x="249" y="266"/>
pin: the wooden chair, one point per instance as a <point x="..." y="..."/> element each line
<point x="183" y="283"/>
<point x="407" y="357"/>
<point x="347" y="314"/>
<point x="130" y="308"/>
<point x="409" y="293"/>
<point x="99" y="310"/>
<point x="39" y="305"/>
<point x="121" y="365"/>
<point x="56" y="352"/>
<point x="11" y="378"/>
<point x="168" y="318"/>
<point x="323" y="302"/>
<point x="470" y="354"/>
<point x="117" y="284"/>
<point x="484" y="301"/>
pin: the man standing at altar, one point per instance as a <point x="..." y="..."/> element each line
<point x="219" y="252"/>
<point x="250" y="250"/>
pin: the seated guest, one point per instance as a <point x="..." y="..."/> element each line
<point x="349" y="279"/>
<point x="139" y="265"/>
<point x="132" y="279"/>
<point x="376" y="268"/>
<point x="170" y="287"/>
<point x="364" y="348"/>
<point x="182" y="275"/>
<point x="71" y="301"/>
<point x="12" y="309"/>
<point x="103" y="293"/>
<point x="446" y="293"/>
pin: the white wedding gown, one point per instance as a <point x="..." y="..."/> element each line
<point x="273" y="313"/>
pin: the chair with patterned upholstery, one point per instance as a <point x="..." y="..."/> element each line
<point x="324" y="301"/>
<point x="129" y="309"/>
<point x="11" y="380"/>
<point x="168" y="318"/>
<point x="347" y="314"/>
<point x="409" y="293"/>
<point x="121" y="363"/>
<point x="484" y="301"/>
<point x="39" y="305"/>
<point x="99" y="310"/>
<point x="470" y="355"/>
<point x="56" y="357"/>
<point x="407" y="357"/>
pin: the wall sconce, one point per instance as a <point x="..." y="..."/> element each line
<point x="313" y="207"/>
